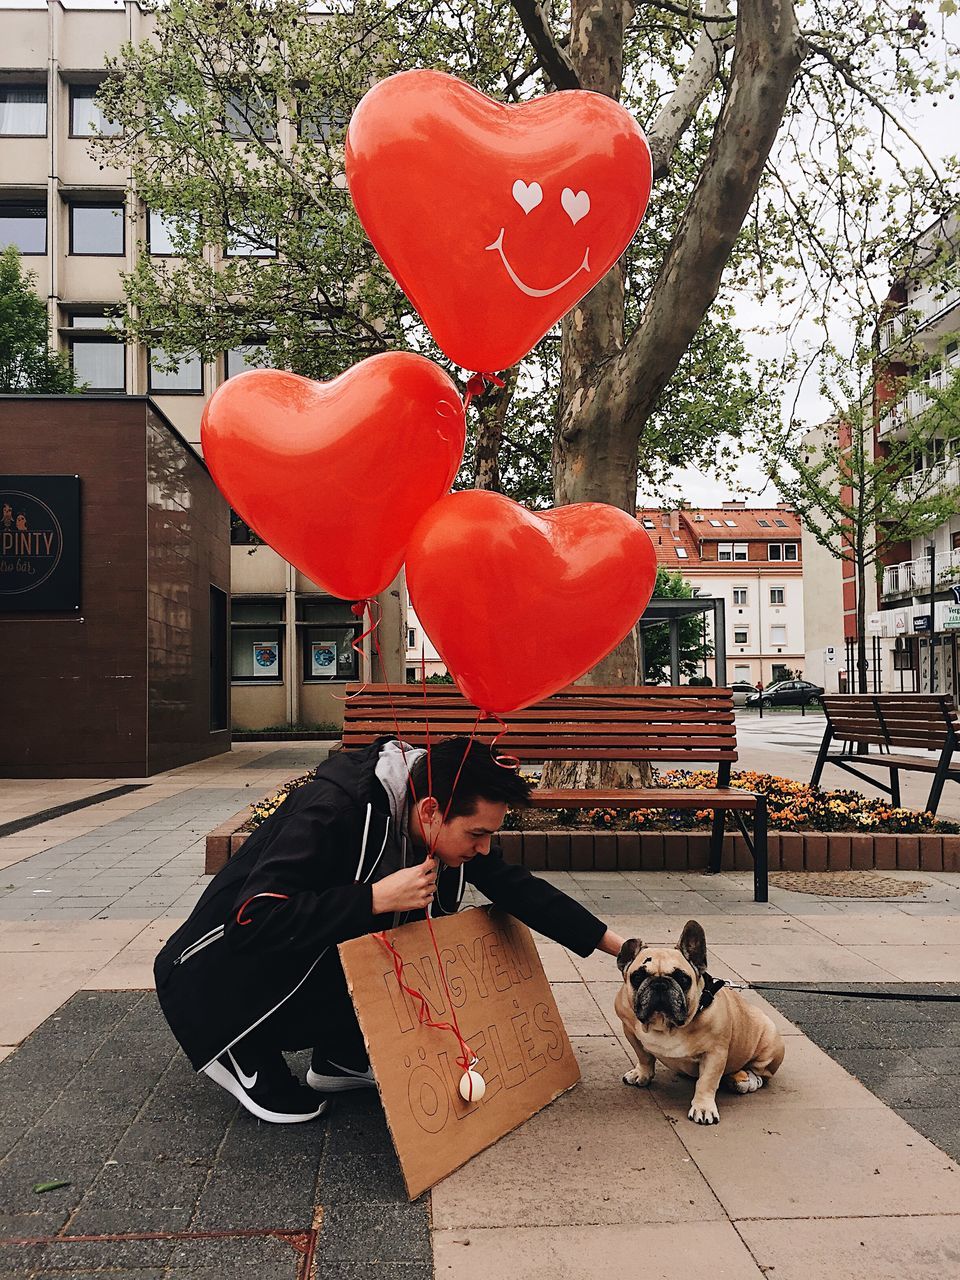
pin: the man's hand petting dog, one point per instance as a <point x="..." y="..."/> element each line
<point x="673" y="1012"/>
<point x="411" y="889"/>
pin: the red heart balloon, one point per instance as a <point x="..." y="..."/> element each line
<point x="493" y="219"/>
<point x="334" y="475"/>
<point x="520" y="603"/>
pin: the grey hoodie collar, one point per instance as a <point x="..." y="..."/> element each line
<point x="393" y="772"/>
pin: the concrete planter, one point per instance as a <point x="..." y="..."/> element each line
<point x="681" y="850"/>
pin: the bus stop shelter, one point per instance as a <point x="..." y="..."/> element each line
<point x="661" y="611"/>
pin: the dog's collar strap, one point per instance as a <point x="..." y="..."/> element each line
<point x="710" y="988"/>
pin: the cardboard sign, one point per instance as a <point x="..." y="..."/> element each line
<point x="506" y="1013"/>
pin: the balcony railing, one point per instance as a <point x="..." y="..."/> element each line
<point x="923" y="307"/>
<point x="913" y="576"/>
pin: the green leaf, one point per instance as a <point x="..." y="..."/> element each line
<point x="40" y="1187"/>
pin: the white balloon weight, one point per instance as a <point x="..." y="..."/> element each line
<point x="472" y="1086"/>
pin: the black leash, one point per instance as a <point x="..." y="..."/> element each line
<point x="928" y="996"/>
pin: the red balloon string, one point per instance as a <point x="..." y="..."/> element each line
<point x="467" y="1057"/>
<point x="284" y="897"/>
<point x="476" y="385"/>
<point x="504" y="761"/>
<point x="356" y="644"/>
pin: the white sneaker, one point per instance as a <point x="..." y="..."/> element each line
<point x="329" y="1077"/>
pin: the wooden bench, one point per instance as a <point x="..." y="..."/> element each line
<point x="915" y="721"/>
<point x="684" y="726"/>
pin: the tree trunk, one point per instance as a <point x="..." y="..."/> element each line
<point x="861" y="624"/>
<point x="492" y="414"/>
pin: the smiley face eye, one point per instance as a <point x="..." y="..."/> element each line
<point x="527" y="197"/>
<point x="576" y="205"/>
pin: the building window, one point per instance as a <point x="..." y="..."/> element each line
<point x="97" y="229"/>
<point x="256" y="639"/>
<point x="741" y="674"/>
<point x="776" y="595"/>
<point x="740" y="635"/>
<point x="648" y="524"/>
<point x="411" y="637"/>
<point x="24" y="226"/>
<point x="246" y="242"/>
<point x="247" y="114"/>
<point x="781" y="524"/>
<point x="681" y="553"/>
<point x="739" y="595"/>
<point x="86" y="118"/>
<point x="327" y="632"/>
<point x="321" y="122"/>
<point x="241" y="535"/>
<point x="98" y="356"/>
<point x="778" y="636"/>
<point x="782" y="551"/>
<point x="765" y="524"/>
<point x="731" y="523"/>
<point x="185" y="379"/>
<point x="23" y="111"/>
<point x="238" y="359"/>
<point x="716" y="524"/>
<point x="168" y="235"/>
<point x="731" y="551"/>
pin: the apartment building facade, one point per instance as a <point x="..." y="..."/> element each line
<point x="79" y="228"/>
<point x="913" y="610"/>
<point x="752" y="558"/>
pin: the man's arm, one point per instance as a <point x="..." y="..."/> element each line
<point x="538" y="904"/>
<point x="611" y="943"/>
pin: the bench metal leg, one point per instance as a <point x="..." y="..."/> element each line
<point x="760" y="868"/>
<point x="716" y="840"/>
<point x="822" y="755"/>
<point x="895" y="787"/>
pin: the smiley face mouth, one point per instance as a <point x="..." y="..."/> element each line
<point x="527" y="289"/>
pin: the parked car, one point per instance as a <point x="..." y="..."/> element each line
<point x="742" y="689"/>
<point x="786" y="693"/>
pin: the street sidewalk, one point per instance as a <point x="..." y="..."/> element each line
<point x="812" y="1177"/>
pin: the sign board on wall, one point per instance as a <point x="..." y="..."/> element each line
<point x="506" y="1013"/>
<point x="39" y="544"/>
<point x="951" y="617"/>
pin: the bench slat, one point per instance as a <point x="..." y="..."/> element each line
<point x="647" y="798"/>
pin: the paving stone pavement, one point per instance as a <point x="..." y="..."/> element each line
<point x="167" y="1177"/>
<point x="905" y="1051"/>
<point x="814" y="1178"/>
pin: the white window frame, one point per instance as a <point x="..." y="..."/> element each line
<point x="775" y="627"/>
<point x="782" y="592"/>
<point x="744" y="629"/>
<point x="740" y="591"/>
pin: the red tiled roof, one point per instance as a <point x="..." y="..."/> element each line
<point x="693" y="526"/>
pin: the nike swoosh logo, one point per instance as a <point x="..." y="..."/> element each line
<point x="247" y="1081"/>
<point x="347" y="1071"/>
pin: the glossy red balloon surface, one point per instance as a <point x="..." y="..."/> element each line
<point x="334" y="475"/>
<point x="493" y="219"/>
<point x="520" y="603"/>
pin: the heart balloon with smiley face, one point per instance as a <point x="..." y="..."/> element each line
<point x="494" y="219"/>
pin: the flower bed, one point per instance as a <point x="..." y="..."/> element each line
<point x="810" y="830"/>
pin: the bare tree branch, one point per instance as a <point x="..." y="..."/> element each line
<point x="553" y="59"/>
<point x="698" y="79"/>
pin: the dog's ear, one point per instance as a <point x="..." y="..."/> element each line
<point x="693" y="945"/>
<point x="627" y="952"/>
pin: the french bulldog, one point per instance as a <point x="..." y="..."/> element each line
<point x="673" y="1012"/>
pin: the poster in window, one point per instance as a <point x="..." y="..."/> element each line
<point x="323" y="658"/>
<point x="266" y="659"/>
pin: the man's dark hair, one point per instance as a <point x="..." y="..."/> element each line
<point x="481" y="778"/>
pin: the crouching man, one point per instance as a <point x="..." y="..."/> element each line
<point x="255" y="969"/>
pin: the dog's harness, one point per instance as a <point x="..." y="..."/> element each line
<point x="710" y="988"/>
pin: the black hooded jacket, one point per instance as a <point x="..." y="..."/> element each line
<point x="300" y="884"/>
